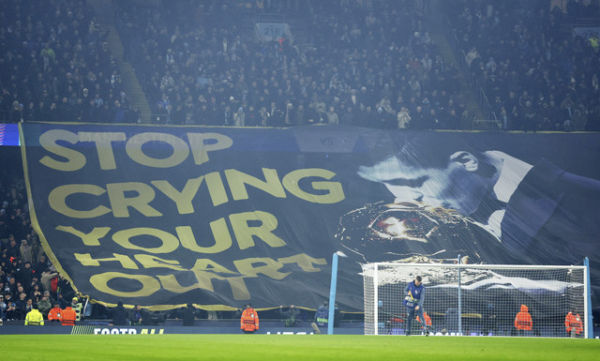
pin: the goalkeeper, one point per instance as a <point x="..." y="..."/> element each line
<point x="415" y="295"/>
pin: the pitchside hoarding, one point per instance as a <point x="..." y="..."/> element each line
<point x="219" y="217"/>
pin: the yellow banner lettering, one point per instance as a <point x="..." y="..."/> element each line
<point x="304" y="261"/>
<point x="120" y="203"/>
<point x="86" y="260"/>
<point x="238" y="180"/>
<point x="57" y="199"/>
<point x="179" y="149"/>
<point x="88" y="239"/>
<point x="169" y="242"/>
<point x="74" y="159"/>
<point x="150" y="261"/>
<point x="149" y="285"/>
<point x="183" y="199"/>
<point x="334" y="192"/>
<point x="202" y="143"/>
<point x="220" y="234"/>
<point x="244" y="233"/>
<point x="103" y="141"/>
<point x="269" y="267"/>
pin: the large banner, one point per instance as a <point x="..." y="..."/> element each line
<point x="219" y="217"/>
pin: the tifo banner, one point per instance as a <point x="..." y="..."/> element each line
<point x="219" y="217"/>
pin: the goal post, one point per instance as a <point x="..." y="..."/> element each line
<point x="479" y="299"/>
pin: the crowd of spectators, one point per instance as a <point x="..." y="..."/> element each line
<point x="368" y="63"/>
<point x="535" y="72"/>
<point x="55" y="65"/>
<point x="26" y="275"/>
<point x="350" y="62"/>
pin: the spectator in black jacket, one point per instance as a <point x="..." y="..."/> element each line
<point x="289" y="316"/>
<point x="119" y="315"/>
<point x="136" y="316"/>
<point x="188" y="315"/>
<point x="25" y="275"/>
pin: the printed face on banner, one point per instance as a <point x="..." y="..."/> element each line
<point x="485" y="205"/>
<point x="457" y="185"/>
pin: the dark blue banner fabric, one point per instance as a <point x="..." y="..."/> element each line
<point x="219" y="217"/>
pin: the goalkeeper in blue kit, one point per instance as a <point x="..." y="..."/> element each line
<point x="415" y="296"/>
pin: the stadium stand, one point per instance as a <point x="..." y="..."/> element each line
<point x="344" y="63"/>
<point x="533" y="72"/>
<point x="383" y="64"/>
<point x="26" y="275"/>
<point x="55" y="65"/>
<point x="380" y="64"/>
<point x="22" y="260"/>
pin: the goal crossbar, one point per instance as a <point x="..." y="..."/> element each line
<point x="479" y="266"/>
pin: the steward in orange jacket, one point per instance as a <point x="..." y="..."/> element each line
<point x="523" y="321"/>
<point x="573" y="324"/>
<point x="68" y="316"/>
<point x="54" y="313"/>
<point x="249" y="320"/>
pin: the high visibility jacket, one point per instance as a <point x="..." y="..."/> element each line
<point x="54" y="314"/>
<point x="427" y="319"/>
<point x="573" y="322"/>
<point x="78" y="307"/>
<point x="322" y="315"/>
<point x="68" y="317"/>
<point x="249" y="320"/>
<point x="34" y="318"/>
<point x="523" y="319"/>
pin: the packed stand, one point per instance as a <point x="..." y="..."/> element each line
<point x="55" y="65"/>
<point x="27" y="278"/>
<point x="536" y="73"/>
<point x="346" y="62"/>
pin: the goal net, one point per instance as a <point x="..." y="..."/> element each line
<point x="463" y="299"/>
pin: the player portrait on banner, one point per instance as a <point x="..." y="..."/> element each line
<point x="487" y="205"/>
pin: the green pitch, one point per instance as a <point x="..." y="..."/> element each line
<point x="289" y="348"/>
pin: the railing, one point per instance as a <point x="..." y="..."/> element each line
<point x="485" y="104"/>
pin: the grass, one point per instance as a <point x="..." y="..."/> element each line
<point x="289" y="348"/>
